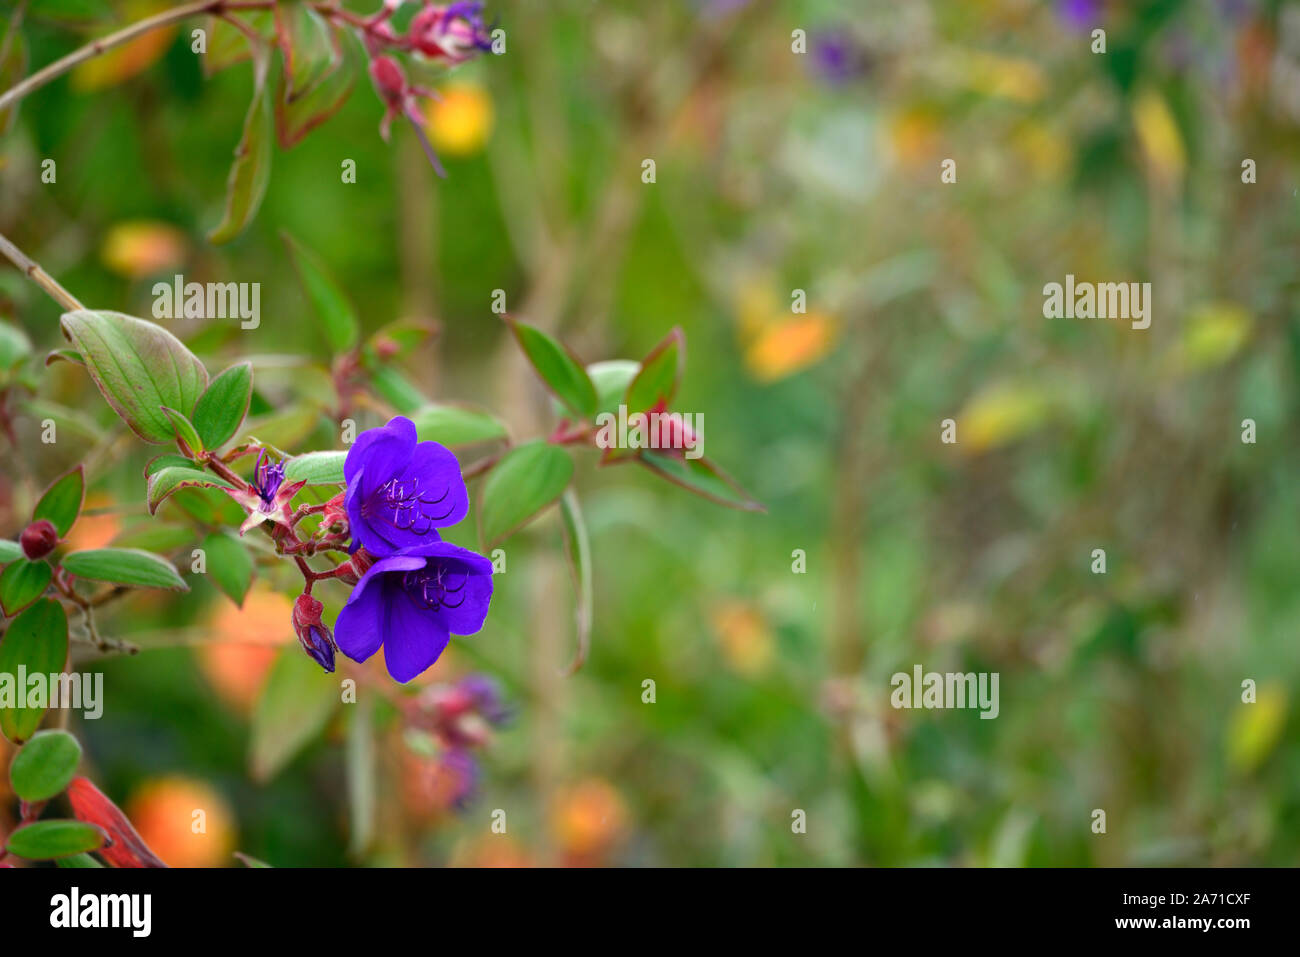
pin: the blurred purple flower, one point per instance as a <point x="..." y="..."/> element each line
<point x="399" y="492"/>
<point x="311" y="631"/>
<point x="837" y="58"/>
<point x="1080" y="14"/>
<point x="412" y="604"/>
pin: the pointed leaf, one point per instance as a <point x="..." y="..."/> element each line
<point x="453" y="425"/>
<point x="660" y="372"/>
<point x="316" y="468"/>
<point x="61" y="503"/>
<point x="221" y="409"/>
<point x="229" y="565"/>
<point x="172" y="477"/>
<point x="701" y="477"/>
<point x="185" y="430"/>
<point x="577" y="549"/>
<point x="337" y="318"/>
<point x="21" y="583"/>
<point x="251" y="171"/>
<point x="139" y="367"/>
<point x="307" y="45"/>
<point x="38" y="641"/>
<point x="561" y="372"/>
<point x="527" y="479"/>
<point x="124" y="566"/>
<point x="296" y="701"/>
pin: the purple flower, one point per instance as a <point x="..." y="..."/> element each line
<point x="837" y="58"/>
<point x="1080" y="14"/>
<point x="267" y="478"/>
<point x="412" y="604"/>
<point x="400" y="492"/>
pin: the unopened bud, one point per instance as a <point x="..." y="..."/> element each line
<point x="312" y="634"/>
<point x="39" y="538"/>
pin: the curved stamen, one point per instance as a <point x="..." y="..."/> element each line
<point x="406" y="507"/>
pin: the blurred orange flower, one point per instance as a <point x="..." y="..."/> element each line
<point x="143" y="248"/>
<point x="185" y="821"/>
<point x="588" y="820"/>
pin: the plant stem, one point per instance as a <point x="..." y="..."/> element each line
<point x="95" y="48"/>
<point x="36" y="274"/>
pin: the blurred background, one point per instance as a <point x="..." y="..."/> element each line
<point x="776" y="171"/>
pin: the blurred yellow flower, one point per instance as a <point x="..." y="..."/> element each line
<point x="143" y="248"/>
<point x="460" y="122"/>
<point x="743" y="635"/>
<point x="1214" y="333"/>
<point x="999" y="415"/>
<point x="135" y="56"/>
<point x="914" y="136"/>
<point x="1158" y="133"/>
<point x="1256" y="728"/>
<point x="1007" y="77"/>
<point x="1047" y="153"/>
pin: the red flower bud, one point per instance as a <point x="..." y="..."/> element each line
<point x="312" y="634"/>
<point x="388" y="79"/>
<point x="39" y="538"/>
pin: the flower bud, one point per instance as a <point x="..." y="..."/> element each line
<point x="312" y="634"/>
<point x="388" y="78"/>
<point x="39" y="538"/>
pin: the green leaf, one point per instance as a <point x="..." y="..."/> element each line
<point x="61" y="503"/>
<point x="14" y="346"/>
<point x="388" y="382"/>
<point x="307" y="45"/>
<point x="46" y="840"/>
<point x="155" y="536"/>
<point x="701" y="477"/>
<point x="561" y="372"/>
<point x="9" y="551"/>
<point x="124" y="566"/>
<point x="221" y="409"/>
<point x="296" y="702"/>
<point x="337" y="318"/>
<point x="78" y="861"/>
<point x="139" y="367"/>
<point x="185" y="430"/>
<point x="527" y="479"/>
<point x="229" y="565"/>
<point x="227" y="45"/>
<point x="316" y="468"/>
<point x="21" y="583"/>
<point x="168" y="479"/>
<point x="577" y="550"/>
<point x="45" y="765"/>
<point x="251" y="170"/>
<point x="611" y="379"/>
<point x="397" y="340"/>
<point x="166" y="460"/>
<point x="453" y="425"/>
<point x="13" y="67"/>
<point x="38" y="641"/>
<point x="659" y="374"/>
<point x="296" y="115"/>
<point x="361" y="775"/>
